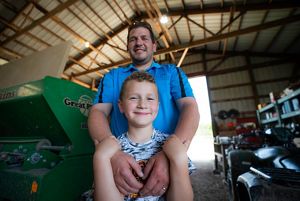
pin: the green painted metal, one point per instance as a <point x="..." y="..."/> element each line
<point x="44" y="138"/>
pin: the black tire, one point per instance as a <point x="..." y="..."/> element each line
<point x="239" y="162"/>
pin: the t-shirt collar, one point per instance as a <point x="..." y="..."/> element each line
<point x="131" y="67"/>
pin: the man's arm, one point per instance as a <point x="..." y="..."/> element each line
<point x="122" y="164"/>
<point x="98" y="121"/>
<point x="188" y="120"/>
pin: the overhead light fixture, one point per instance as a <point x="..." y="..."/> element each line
<point x="86" y="44"/>
<point x="164" y="19"/>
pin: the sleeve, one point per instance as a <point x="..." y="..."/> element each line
<point x="105" y="89"/>
<point x="180" y="86"/>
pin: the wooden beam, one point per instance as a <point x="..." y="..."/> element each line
<point x="238" y="8"/>
<point x="246" y="67"/>
<point x="282" y="79"/>
<point x="237" y="38"/>
<point x="196" y="11"/>
<point x="10" y="53"/>
<point x="154" y="15"/>
<point x="123" y="62"/>
<point x="39" y="21"/>
<point x="252" y="80"/>
<point x="182" y="57"/>
<point x="275" y="37"/>
<point x="247" y="30"/>
<point x="237" y="99"/>
<point x="200" y="42"/>
<point x="16" y="29"/>
<point x="210" y="71"/>
<point x="199" y="25"/>
<point x="245" y="53"/>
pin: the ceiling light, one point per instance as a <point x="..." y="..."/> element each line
<point x="86" y="44"/>
<point x="164" y="19"/>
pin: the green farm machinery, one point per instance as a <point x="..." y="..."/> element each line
<point x="45" y="148"/>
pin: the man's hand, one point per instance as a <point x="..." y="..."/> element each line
<point x="157" y="174"/>
<point x="122" y="166"/>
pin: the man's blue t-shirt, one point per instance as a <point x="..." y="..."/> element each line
<point x="172" y="85"/>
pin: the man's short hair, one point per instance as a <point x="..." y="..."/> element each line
<point x="138" y="24"/>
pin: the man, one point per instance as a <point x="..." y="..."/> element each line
<point x="178" y="113"/>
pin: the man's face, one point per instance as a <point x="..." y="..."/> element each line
<point x="140" y="46"/>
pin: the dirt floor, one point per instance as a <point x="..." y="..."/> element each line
<point x="206" y="185"/>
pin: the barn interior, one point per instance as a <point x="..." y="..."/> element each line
<point x="246" y="50"/>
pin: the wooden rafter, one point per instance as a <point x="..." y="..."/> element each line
<point x="173" y="23"/>
<point x="109" y="37"/>
<point x="246" y="67"/>
<point x="257" y="33"/>
<point x="232" y="19"/>
<point x="13" y="9"/>
<point x="16" y="29"/>
<point x="252" y="80"/>
<point x="200" y="42"/>
<point x="268" y="47"/>
<point x="182" y="57"/>
<point x="40" y="20"/>
<point x="229" y="27"/>
<point x="239" y="27"/>
<point x="247" y="30"/>
<point x="238" y="8"/>
<point x="124" y="14"/>
<point x="191" y="12"/>
<point x="70" y="30"/>
<point x="292" y="43"/>
<point x="228" y="86"/>
<point x="199" y="25"/>
<point x="95" y="24"/>
<point x="157" y="26"/>
<point x="165" y="31"/>
<point x="10" y="53"/>
<point x="204" y="32"/>
<point x="217" y="65"/>
<point x="136" y="8"/>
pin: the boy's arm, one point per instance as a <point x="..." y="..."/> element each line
<point x="180" y="187"/>
<point x="105" y="187"/>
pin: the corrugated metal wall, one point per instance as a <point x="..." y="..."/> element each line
<point x="239" y="82"/>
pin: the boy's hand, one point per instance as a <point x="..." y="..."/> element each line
<point x="175" y="149"/>
<point x="108" y="147"/>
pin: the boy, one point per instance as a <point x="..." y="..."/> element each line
<point x="138" y="101"/>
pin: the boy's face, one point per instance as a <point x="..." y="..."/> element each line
<point x="140" y="46"/>
<point x="139" y="103"/>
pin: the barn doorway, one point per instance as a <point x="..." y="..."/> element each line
<point x="201" y="148"/>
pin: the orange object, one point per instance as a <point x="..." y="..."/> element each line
<point x="34" y="187"/>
